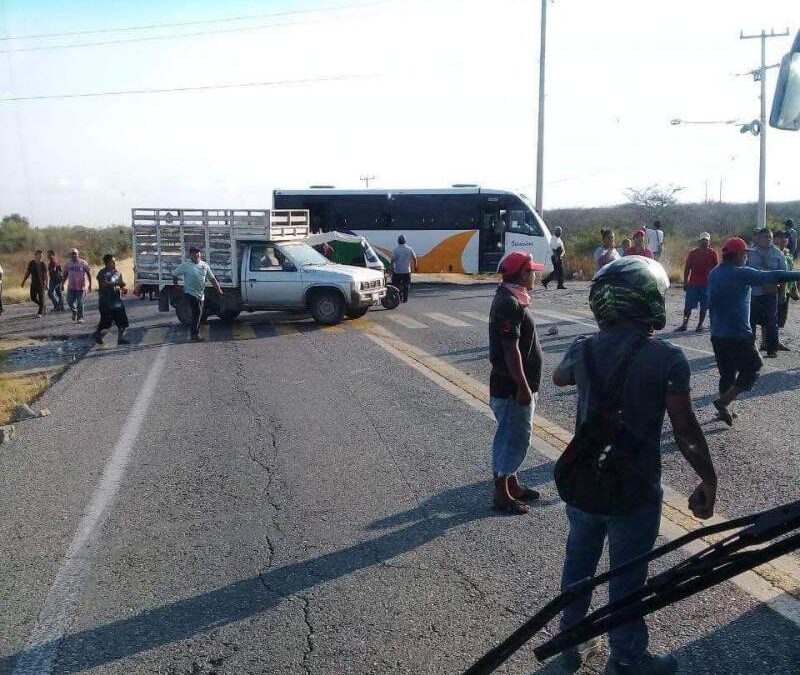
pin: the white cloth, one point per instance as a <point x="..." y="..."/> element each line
<point x="603" y="256"/>
<point x="556" y="243"/>
<point x="655" y="239"/>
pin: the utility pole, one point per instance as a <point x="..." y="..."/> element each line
<point x="540" y="138"/>
<point x="367" y="179"/>
<point x="761" y="76"/>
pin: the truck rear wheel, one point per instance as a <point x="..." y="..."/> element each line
<point x="327" y="307"/>
<point x="356" y="312"/>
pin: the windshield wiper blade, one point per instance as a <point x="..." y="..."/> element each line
<point x="714" y="564"/>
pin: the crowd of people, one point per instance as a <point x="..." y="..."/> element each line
<point x="627" y="380"/>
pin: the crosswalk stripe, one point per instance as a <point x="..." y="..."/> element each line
<point x="406" y="321"/>
<point x="478" y="317"/>
<point x="286" y="329"/>
<point x="154" y="336"/>
<point x="447" y="320"/>
<point x="243" y="331"/>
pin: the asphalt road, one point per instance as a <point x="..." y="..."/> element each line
<point x="286" y="499"/>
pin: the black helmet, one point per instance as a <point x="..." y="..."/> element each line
<point x="630" y="288"/>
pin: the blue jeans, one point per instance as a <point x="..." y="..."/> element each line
<point x="56" y="297"/>
<point x="75" y="301"/>
<point x="628" y="537"/>
<point x="764" y="312"/>
<point x="513" y="435"/>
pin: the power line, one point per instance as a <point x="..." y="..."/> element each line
<point x="207" y="87"/>
<point x="174" y="36"/>
<point x="190" y="23"/>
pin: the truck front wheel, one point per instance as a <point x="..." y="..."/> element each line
<point x="357" y="312"/>
<point x="327" y="307"/>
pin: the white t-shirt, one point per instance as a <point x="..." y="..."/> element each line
<point x="603" y="256"/>
<point x="655" y="239"/>
<point x="556" y="243"/>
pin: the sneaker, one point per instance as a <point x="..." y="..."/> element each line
<point x="198" y="338"/>
<point x="98" y="338"/>
<point x="649" y="664"/>
<point x="724" y="413"/>
<point x="80" y="320"/>
<point x="74" y="315"/>
<point x="38" y="316"/>
<point x="574" y="658"/>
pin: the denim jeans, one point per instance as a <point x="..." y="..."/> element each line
<point x="629" y="536"/>
<point x="56" y="296"/>
<point x="75" y="301"/>
<point x="513" y="435"/>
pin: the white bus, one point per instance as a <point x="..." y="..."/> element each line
<point x="464" y="229"/>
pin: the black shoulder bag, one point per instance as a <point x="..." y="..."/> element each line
<point x="597" y="472"/>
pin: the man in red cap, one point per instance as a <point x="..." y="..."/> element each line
<point x="738" y="360"/>
<point x="516" y="359"/>
<point x="638" y="247"/>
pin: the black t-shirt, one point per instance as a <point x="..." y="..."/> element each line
<point x="108" y="296"/>
<point x="510" y="321"/>
<point x="37" y="272"/>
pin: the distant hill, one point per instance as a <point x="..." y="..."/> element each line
<point x="681" y="219"/>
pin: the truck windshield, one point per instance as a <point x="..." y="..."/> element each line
<point x="303" y="254"/>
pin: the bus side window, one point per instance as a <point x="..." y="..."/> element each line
<point x="385" y="221"/>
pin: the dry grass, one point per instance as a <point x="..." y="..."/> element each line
<point x="16" y="389"/>
<point x="14" y="265"/>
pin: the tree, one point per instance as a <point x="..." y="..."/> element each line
<point x="653" y="202"/>
<point x="15" y="233"/>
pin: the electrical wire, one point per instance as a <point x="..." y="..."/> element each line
<point x="174" y="36"/>
<point x="207" y="87"/>
<point x="179" y="24"/>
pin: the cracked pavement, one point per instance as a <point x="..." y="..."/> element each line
<point x="304" y="504"/>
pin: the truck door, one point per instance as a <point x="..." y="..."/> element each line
<point x="272" y="280"/>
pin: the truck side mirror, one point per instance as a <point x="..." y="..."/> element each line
<point x="786" y="104"/>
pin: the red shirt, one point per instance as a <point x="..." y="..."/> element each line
<point x="699" y="263"/>
<point x="639" y="250"/>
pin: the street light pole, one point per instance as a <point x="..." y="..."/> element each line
<point x="761" y="74"/>
<point x="540" y="141"/>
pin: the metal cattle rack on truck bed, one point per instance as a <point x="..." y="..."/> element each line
<point x="162" y="238"/>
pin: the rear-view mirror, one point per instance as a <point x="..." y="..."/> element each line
<point x="786" y="104"/>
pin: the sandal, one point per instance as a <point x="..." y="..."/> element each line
<point x="517" y="490"/>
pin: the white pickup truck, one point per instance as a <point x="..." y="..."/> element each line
<point x="259" y="258"/>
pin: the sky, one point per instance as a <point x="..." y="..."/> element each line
<point x="418" y="93"/>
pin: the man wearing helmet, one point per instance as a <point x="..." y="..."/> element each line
<point x="732" y="337"/>
<point x="516" y="359"/>
<point x="651" y="377"/>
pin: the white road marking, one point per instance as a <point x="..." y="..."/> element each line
<point x="478" y="317"/>
<point x="65" y="593"/>
<point x="447" y="320"/>
<point x="475" y="394"/>
<point x="406" y="321"/>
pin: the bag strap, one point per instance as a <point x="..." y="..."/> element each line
<point x="612" y="393"/>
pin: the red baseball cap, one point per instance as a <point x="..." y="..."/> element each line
<point x="515" y="262"/>
<point x="734" y="245"/>
<point x="638" y="232"/>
